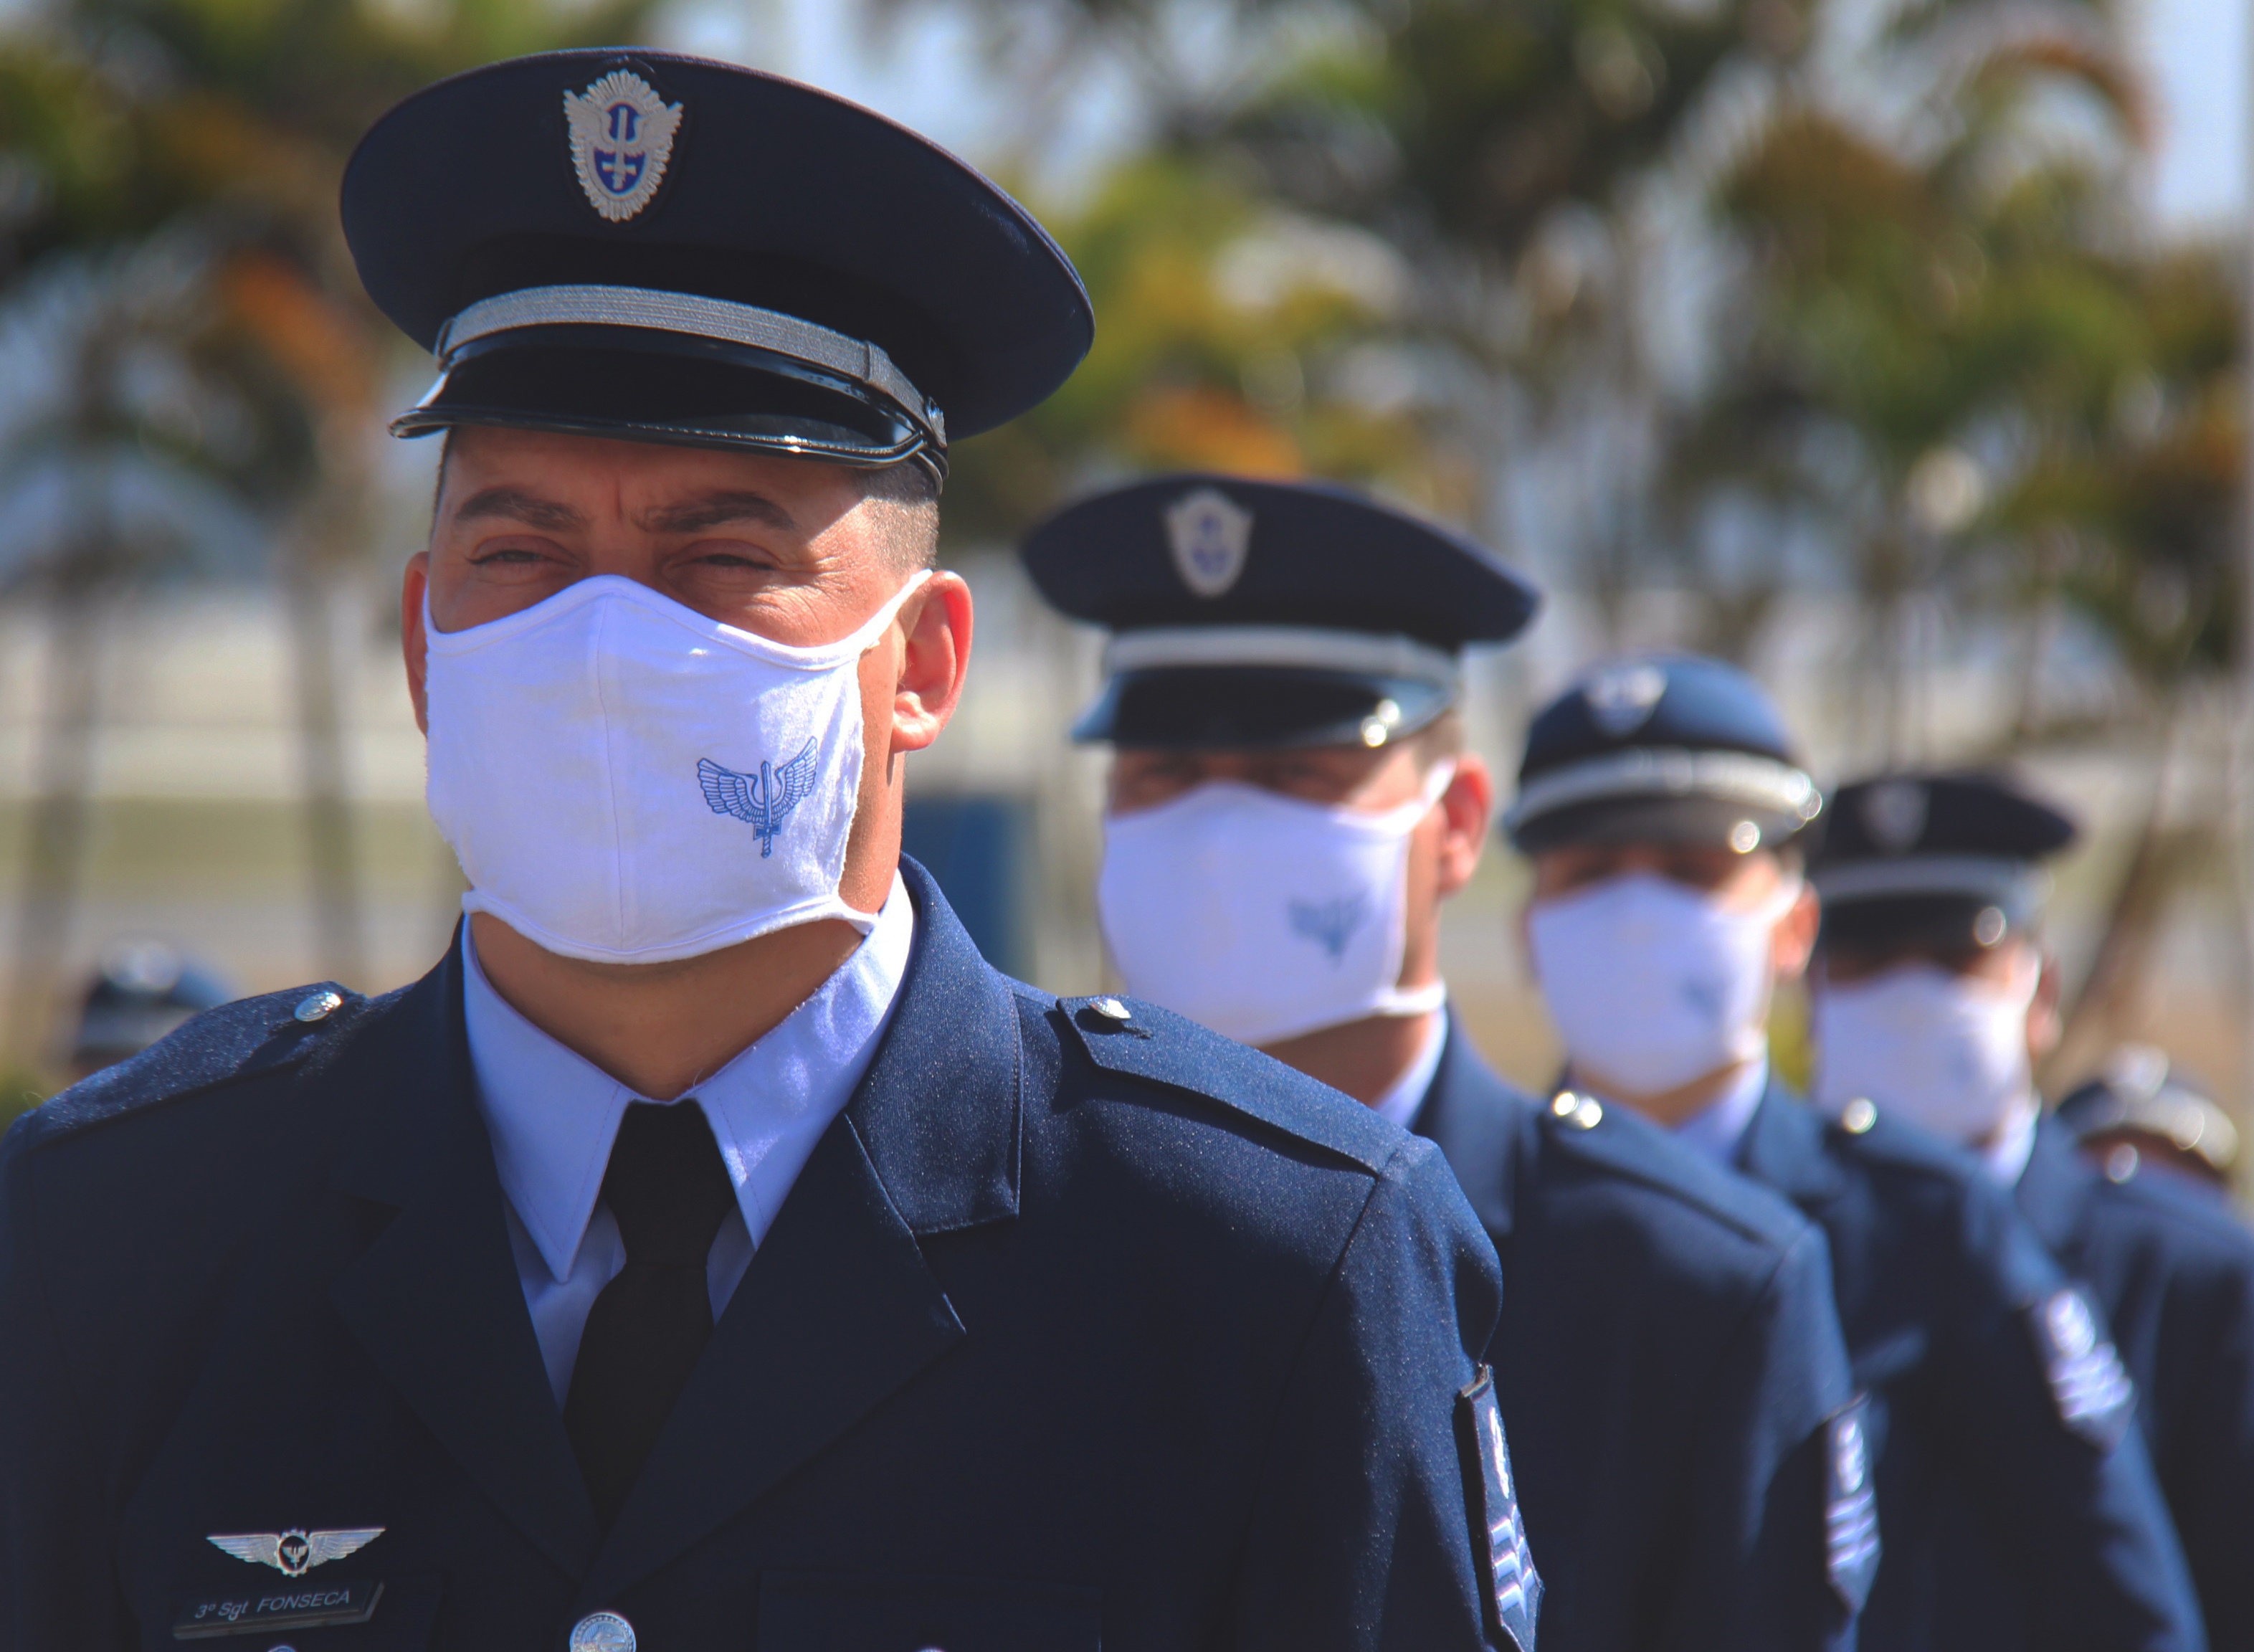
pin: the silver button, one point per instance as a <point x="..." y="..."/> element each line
<point x="1111" y="1009"/>
<point x="1588" y="1115"/>
<point x="1857" y="1116"/>
<point x="319" y="1005"/>
<point x="2121" y="1163"/>
<point x="1564" y="1104"/>
<point x="602" y="1632"/>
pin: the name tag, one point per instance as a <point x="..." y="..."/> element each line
<point x="294" y="1605"/>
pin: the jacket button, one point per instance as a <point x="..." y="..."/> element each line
<point x="1857" y="1116"/>
<point x="602" y="1632"/>
<point x="1110" y="1009"/>
<point x="319" y="1006"/>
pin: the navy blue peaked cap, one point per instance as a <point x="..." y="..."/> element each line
<point x="1666" y="748"/>
<point x="666" y="249"/>
<point x="1938" y="859"/>
<point x="2142" y="1092"/>
<point x="1257" y="614"/>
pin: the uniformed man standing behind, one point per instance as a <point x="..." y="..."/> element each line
<point x="1290" y="804"/>
<point x="1663" y="805"/>
<point x="713" y="1250"/>
<point x="1933" y="999"/>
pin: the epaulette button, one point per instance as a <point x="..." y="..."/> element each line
<point x="318" y="1006"/>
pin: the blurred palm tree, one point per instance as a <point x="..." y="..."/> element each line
<point x="198" y="144"/>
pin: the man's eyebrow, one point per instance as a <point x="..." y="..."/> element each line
<point x="715" y="510"/>
<point x="520" y="506"/>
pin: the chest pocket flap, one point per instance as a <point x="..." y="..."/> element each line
<point x="823" y="1611"/>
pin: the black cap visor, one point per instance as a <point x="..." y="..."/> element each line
<point x="1939" y="924"/>
<point x="649" y="386"/>
<point x="1258" y="708"/>
<point x="1705" y="823"/>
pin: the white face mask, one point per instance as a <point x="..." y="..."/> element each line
<point x="1264" y="916"/>
<point x="1943" y="1052"/>
<point x="628" y="781"/>
<point x="1651" y="985"/>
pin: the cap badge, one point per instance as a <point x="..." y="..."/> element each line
<point x="1621" y="698"/>
<point x="1210" y="534"/>
<point x="1894" y="813"/>
<point x="622" y="134"/>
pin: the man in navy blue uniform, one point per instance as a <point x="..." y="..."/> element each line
<point x="1662" y="808"/>
<point x="712" y="1249"/>
<point x="1933" y="999"/>
<point x="1290" y="802"/>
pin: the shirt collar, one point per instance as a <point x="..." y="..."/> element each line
<point x="1716" y="1130"/>
<point x="552" y="1113"/>
<point x="1400" y="1104"/>
<point x="2008" y="1154"/>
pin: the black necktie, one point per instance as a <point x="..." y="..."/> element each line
<point x="668" y="1192"/>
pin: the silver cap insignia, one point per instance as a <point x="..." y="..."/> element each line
<point x="622" y="135"/>
<point x="1621" y="698"/>
<point x="1894" y="813"/>
<point x="1210" y="534"/>
<point x="297" y="1551"/>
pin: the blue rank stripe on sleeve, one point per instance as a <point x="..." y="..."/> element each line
<point x="1514" y="1588"/>
<point x="2095" y="1396"/>
<point x="1851" y="1509"/>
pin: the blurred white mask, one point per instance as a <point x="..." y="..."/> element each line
<point x="1948" y="1053"/>
<point x="1263" y="916"/>
<point x="1652" y="985"/>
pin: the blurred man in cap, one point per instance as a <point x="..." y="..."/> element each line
<point x="1290" y="804"/>
<point x="2145" y="1114"/>
<point x="1662" y="806"/>
<point x="1933" y="999"/>
<point x="713" y="1250"/>
<point x="143" y="990"/>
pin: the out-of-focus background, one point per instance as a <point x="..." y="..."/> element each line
<point x="1892" y="347"/>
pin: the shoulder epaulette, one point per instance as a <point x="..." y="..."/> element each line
<point x="1141" y="1040"/>
<point x="1633" y="1147"/>
<point x="235" y="1041"/>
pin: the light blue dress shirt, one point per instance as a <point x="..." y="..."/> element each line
<point x="553" y="1115"/>
<point x="1716" y="1129"/>
<point x="1400" y="1104"/>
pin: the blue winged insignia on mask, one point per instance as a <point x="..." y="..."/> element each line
<point x="765" y="801"/>
<point x="1330" y="924"/>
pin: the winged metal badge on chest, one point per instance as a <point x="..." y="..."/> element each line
<point x="297" y="1551"/>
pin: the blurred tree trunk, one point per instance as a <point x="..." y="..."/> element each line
<point x="316" y="557"/>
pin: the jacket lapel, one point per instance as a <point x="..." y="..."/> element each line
<point x="839" y="1309"/>
<point x="1783" y="1147"/>
<point x="436" y="1300"/>
<point x="2056" y="1187"/>
<point x="1473" y="1118"/>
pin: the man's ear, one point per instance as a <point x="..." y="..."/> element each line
<point x="1467" y="808"/>
<point x="1794" y="938"/>
<point x="2045" y="1025"/>
<point x="934" y="660"/>
<point x="413" y="645"/>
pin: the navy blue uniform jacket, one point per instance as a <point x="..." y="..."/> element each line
<point x="1667" y="1359"/>
<point x="1069" y="1329"/>
<point x="2174" y="1272"/>
<point x="2002" y="1528"/>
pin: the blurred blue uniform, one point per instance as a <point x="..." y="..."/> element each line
<point x="1076" y="1327"/>
<point x="2173" y="1268"/>
<point x="2004" y="1527"/>
<point x="1670" y="1364"/>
